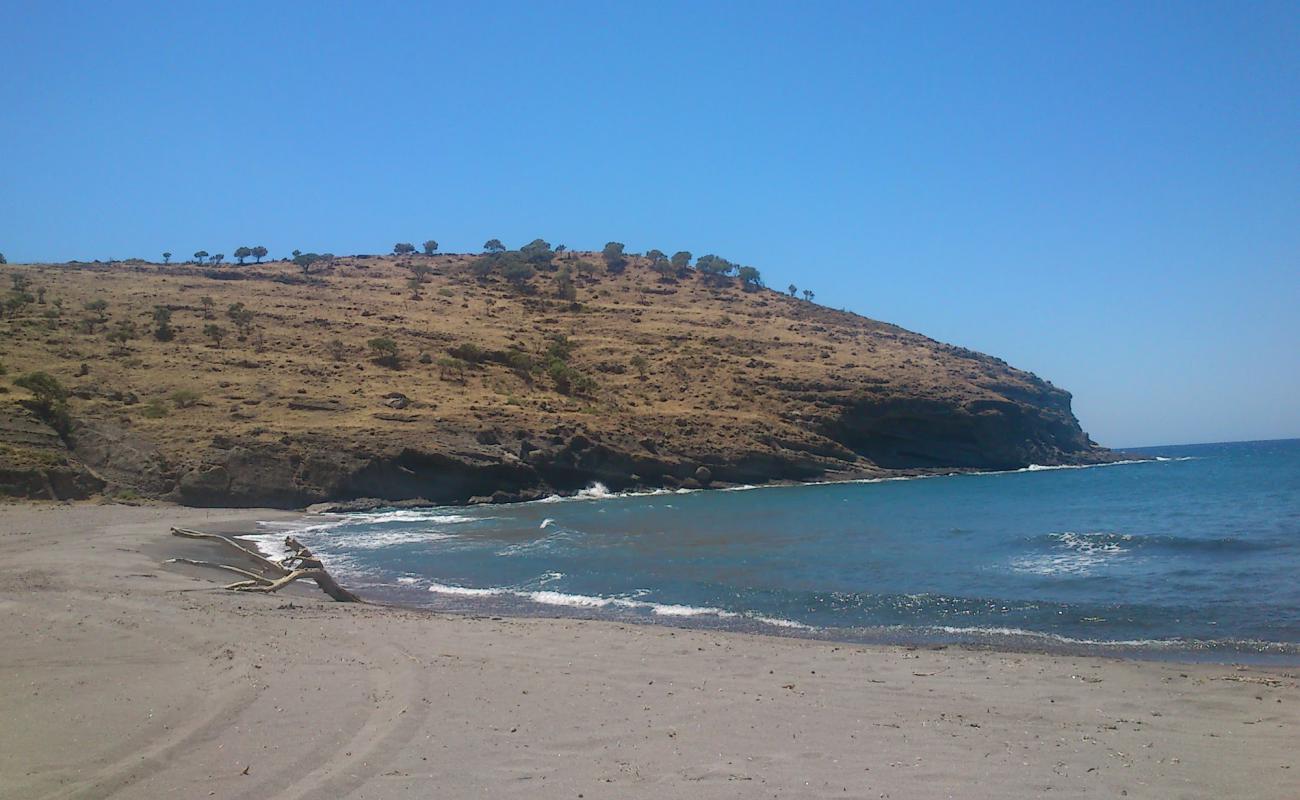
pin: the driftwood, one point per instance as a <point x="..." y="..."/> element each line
<point x="300" y="564"/>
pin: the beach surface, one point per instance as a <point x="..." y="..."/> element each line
<point x="121" y="676"/>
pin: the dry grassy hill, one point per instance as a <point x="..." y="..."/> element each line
<point x="661" y="381"/>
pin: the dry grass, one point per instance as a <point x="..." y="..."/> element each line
<point x="725" y="371"/>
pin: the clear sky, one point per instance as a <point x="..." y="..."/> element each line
<point x="1105" y="194"/>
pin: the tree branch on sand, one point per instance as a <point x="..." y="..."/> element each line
<point x="300" y="564"/>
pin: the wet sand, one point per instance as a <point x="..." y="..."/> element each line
<point x="122" y="676"/>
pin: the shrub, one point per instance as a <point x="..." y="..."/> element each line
<point x="640" y="364"/>
<point x="517" y="271"/>
<point x="162" y="317"/>
<point x="123" y="332"/>
<point x="337" y="349"/>
<point x="214" y="332"/>
<point x="564" y="288"/>
<point x="403" y="248"/>
<point x="430" y="246"/>
<point x="185" y="398"/>
<point x="421" y="272"/>
<point x="49" y="399"/>
<point x="241" y="316"/>
<point x="451" y="368"/>
<point x="384" y="352"/>
<point x="468" y="352"/>
<point x="445" y="292"/>
<point x="208" y="303"/>
<point x="154" y="409"/>
<point x="45" y="388"/>
<point x="98" y="308"/>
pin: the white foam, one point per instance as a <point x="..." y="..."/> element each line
<point x="374" y="540"/>
<point x="411" y="515"/>
<point x="562" y="599"/>
<point x="780" y="623"/>
<point x="442" y="588"/>
<point x="545" y="522"/>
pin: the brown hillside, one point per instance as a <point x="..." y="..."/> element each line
<point x="751" y="386"/>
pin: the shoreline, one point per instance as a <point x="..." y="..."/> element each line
<point x="122" y="677"/>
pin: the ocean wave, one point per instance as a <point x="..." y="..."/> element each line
<point x="586" y="601"/>
<point x="1110" y="542"/>
<point x="405" y="515"/>
<point x="1172" y="644"/>
<point x="442" y="588"/>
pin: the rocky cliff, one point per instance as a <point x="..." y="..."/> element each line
<point x="425" y="378"/>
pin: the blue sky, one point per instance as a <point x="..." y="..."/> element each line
<point x="1106" y="194"/>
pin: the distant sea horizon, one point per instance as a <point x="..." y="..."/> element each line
<point x="1191" y="554"/>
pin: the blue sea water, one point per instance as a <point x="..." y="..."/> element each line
<point x="1195" y="553"/>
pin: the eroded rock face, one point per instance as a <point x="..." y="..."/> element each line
<point x="36" y="463"/>
<point x="122" y="457"/>
<point x="917" y="432"/>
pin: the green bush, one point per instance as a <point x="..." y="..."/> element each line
<point x="185" y="398"/>
<point x="384" y="352"/>
<point x="154" y="409"/>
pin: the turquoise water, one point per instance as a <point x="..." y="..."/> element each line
<point x="1195" y="553"/>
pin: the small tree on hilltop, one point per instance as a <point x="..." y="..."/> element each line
<point x="430" y="247"/>
<point x="200" y="256"/>
<point x="792" y="289"/>
<point x="421" y="272"/>
<point x="403" y="248"/>
<point x="538" y="252"/>
<point x="681" y="262"/>
<point x="808" y="295"/>
<point x="217" y="259"/>
<point x="304" y="261"/>
<point x="259" y="253"/>
<point x="750" y="278"/>
<point x="494" y="246"/>
<point x="615" y="260"/>
<point x="242" y="253"/>
<point x="167" y="258"/>
<point x="3" y="260"/>
<point x="207" y="303"/>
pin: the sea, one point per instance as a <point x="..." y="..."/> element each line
<point x="1188" y="552"/>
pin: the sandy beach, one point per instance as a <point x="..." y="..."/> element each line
<point x="124" y="677"/>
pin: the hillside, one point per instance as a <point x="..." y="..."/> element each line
<point x="647" y="377"/>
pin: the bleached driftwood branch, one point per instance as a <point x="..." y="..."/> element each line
<point x="300" y="564"/>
